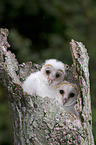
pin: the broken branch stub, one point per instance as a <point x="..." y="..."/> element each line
<point x="40" y="121"/>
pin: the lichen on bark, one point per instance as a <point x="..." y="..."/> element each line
<point x="40" y="121"/>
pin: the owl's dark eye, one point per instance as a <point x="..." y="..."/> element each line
<point x="57" y="75"/>
<point x="61" y="92"/>
<point x="48" y="72"/>
<point x="72" y="95"/>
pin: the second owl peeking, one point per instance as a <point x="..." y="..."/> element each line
<point x="48" y="82"/>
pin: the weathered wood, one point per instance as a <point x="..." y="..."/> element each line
<point x="42" y="121"/>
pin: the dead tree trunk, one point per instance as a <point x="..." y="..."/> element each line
<point x="42" y="121"/>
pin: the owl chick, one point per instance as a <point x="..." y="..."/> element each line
<point x="66" y="95"/>
<point x="45" y="81"/>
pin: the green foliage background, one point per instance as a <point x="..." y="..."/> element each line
<point x="42" y="29"/>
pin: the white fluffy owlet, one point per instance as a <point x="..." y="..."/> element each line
<point x="45" y="81"/>
<point x="66" y="95"/>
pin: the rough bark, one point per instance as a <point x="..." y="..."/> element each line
<point x="42" y="121"/>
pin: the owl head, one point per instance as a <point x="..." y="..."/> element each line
<point x="67" y="93"/>
<point x="53" y="72"/>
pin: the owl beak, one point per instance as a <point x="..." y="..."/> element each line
<point x="50" y="80"/>
<point x="65" y="101"/>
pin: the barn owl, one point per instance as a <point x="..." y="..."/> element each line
<point x="45" y="81"/>
<point x="66" y="95"/>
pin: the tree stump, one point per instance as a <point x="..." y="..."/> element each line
<point x="43" y="121"/>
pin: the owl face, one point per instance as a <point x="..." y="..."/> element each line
<point x="67" y="93"/>
<point x="53" y="73"/>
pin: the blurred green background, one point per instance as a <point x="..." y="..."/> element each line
<point x="42" y="29"/>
